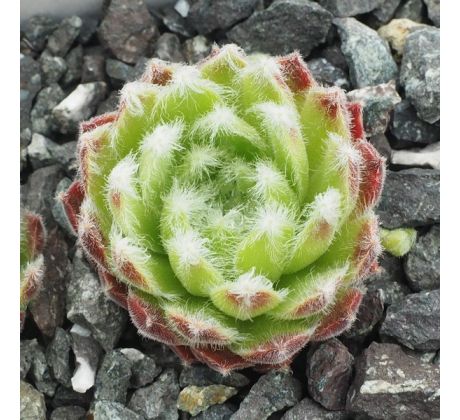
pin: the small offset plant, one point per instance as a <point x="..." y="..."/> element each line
<point x="33" y="236"/>
<point x="228" y="206"/>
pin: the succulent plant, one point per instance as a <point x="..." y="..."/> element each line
<point x="33" y="236"/>
<point x="228" y="207"/>
<point x="398" y="242"/>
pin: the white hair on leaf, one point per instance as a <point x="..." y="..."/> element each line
<point x="131" y="95"/>
<point x="187" y="79"/>
<point x="189" y="246"/>
<point x="276" y="116"/>
<point x="346" y="153"/>
<point x="164" y="139"/>
<point x="327" y="206"/>
<point x="124" y="249"/>
<point x="266" y="177"/>
<point x="183" y="200"/>
<point x="122" y="179"/>
<point x="272" y="220"/>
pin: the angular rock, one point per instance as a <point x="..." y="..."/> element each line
<point x="48" y="308"/>
<point x="162" y="355"/>
<point x="143" y="370"/>
<point x="60" y="41"/>
<point x="72" y="412"/>
<point x="31" y="83"/>
<point x="118" y="71"/>
<point x="206" y="16"/>
<point x="368" y="56"/>
<point x="159" y="399"/>
<point x="390" y="384"/>
<point x="271" y="393"/>
<point x="385" y="11"/>
<point x="88" y="306"/>
<point x="414" y="321"/>
<point x="195" y="399"/>
<point x="329" y="373"/>
<point x="196" y="48"/>
<point x="168" y="48"/>
<point x="201" y="375"/>
<point x="128" y="30"/>
<point x="411" y="9"/>
<point x="433" y="7"/>
<point x="307" y="409"/>
<point x="80" y="105"/>
<point x="422" y="262"/>
<point x="420" y="72"/>
<point x="345" y="8"/>
<point x="37" y="29"/>
<point x="38" y="151"/>
<point x="429" y="157"/>
<point x="40" y="115"/>
<point x="112" y="380"/>
<point x="74" y="61"/>
<point x="334" y="55"/>
<point x="39" y="371"/>
<point x="87" y="353"/>
<point x="28" y="352"/>
<point x="110" y="410"/>
<point x="396" y="33"/>
<point x="93" y="68"/>
<point x="139" y="68"/>
<point x="53" y="68"/>
<point x="217" y="412"/>
<point x="67" y="396"/>
<point x="32" y="403"/>
<point x="176" y="23"/>
<point x="58" y="356"/>
<point x="88" y="29"/>
<point x="410" y="198"/>
<point x="406" y="126"/>
<point x="326" y="74"/>
<point x="378" y="101"/>
<point x="265" y="31"/>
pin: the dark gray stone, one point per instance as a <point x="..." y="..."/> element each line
<point x="381" y="143"/>
<point x="307" y="409"/>
<point x="128" y="30"/>
<point x="62" y="39"/>
<point x="118" y="71"/>
<point x="67" y="396"/>
<point x="144" y="369"/>
<point x="31" y="83"/>
<point x="271" y="393"/>
<point x="32" y="403"/>
<point x="208" y="15"/>
<point x="112" y="380"/>
<point x="265" y="31"/>
<point x="369" y="57"/>
<point x="196" y="48"/>
<point x="414" y="321"/>
<point x="38" y="151"/>
<point x="58" y="357"/>
<point x="420" y="72"/>
<point x="201" y="375"/>
<point x="28" y="352"/>
<point x="389" y="279"/>
<point x="88" y="29"/>
<point x="58" y="209"/>
<point x="345" y="8"/>
<point x="168" y="48"/>
<point x="47" y="99"/>
<point x="411" y="9"/>
<point x="329" y="372"/>
<point x="80" y="105"/>
<point x="386" y="10"/>
<point x="162" y="355"/>
<point x="328" y="75"/>
<point x="433" y="7"/>
<point x="93" y="69"/>
<point x="48" y="308"/>
<point x="217" y="412"/>
<point x="390" y="384"/>
<point x="176" y="23"/>
<point x="378" y="101"/>
<point x="406" y="126"/>
<point x="74" y="61"/>
<point x="39" y="371"/>
<point x="159" y="399"/>
<point x="88" y="306"/>
<point x="53" y="68"/>
<point x="410" y="198"/>
<point x="110" y="410"/>
<point x="72" y="412"/>
<point x="110" y="104"/>
<point x="334" y="55"/>
<point x="139" y="68"/>
<point x="422" y="262"/>
<point x="37" y="29"/>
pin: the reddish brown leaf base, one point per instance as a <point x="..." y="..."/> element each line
<point x="222" y="360"/>
<point x="185" y="354"/>
<point x="310" y="306"/>
<point x="71" y="201"/>
<point x="157" y="73"/>
<point x="98" y="120"/>
<point x="332" y="102"/>
<point x="355" y="111"/>
<point x="115" y="290"/>
<point x="296" y="73"/>
<point x="36" y="234"/>
<point x="368" y="249"/>
<point x="92" y="243"/>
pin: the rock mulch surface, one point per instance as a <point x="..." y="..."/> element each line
<point x="81" y="357"/>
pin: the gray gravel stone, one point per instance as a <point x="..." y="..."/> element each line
<point x="414" y="321"/>
<point x="28" y="352"/>
<point x="328" y="75"/>
<point x="110" y="410"/>
<point x="93" y="69"/>
<point x="196" y="399"/>
<point x="40" y="115"/>
<point x="265" y="31"/>
<point x="201" y="375"/>
<point x="80" y="105"/>
<point x="271" y="393"/>
<point x="368" y="56"/>
<point x="433" y="7"/>
<point x="128" y="30"/>
<point x="208" y="15"/>
<point x="217" y="412"/>
<point x="307" y="409"/>
<point x="406" y="126"/>
<point x="411" y="9"/>
<point x="72" y="412"/>
<point x="345" y="8"/>
<point x="381" y="143"/>
<point x="378" y="101"/>
<point x="67" y="396"/>
<point x="196" y="48"/>
<point x="168" y="48"/>
<point x="30" y="83"/>
<point x="38" y="151"/>
<point x="88" y="306"/>
<point x="410" y="198"/>
<point x="390" y="384"/>
<point x="60" y="41"/>
<point x="176" y="23"/>
<point x="74" y="61"/>
<point x="422" y="262"/>
<point x="329" y="373"/>
<point x="112" y="380"/>
<point x="39" y="371"/>
<point x="110" y="104"/>
<point x="32" y="403"/>
<point x="58" y="356"/>
<point x="420" y="72"/>
<point x="159" y="399"/>
<point x="88" y="29"/>
<point x="53" y="68"/>
<point x="334" y="55"/>
<point x="386" y="10"/>
<point x="143" y="370"/>
<point x="118" y="71"/>
<point x="37" y="29"/>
